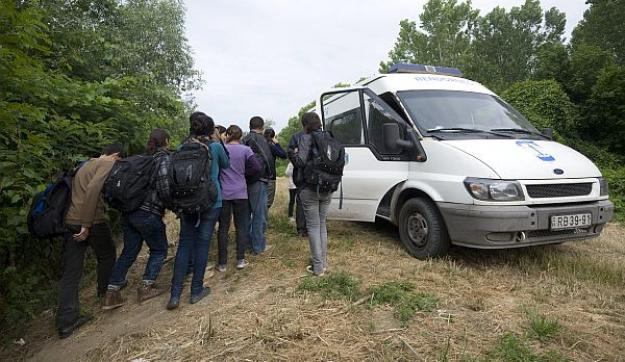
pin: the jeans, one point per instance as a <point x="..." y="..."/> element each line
<point x="138" y="226"/>
<point x="300" y="220"/>
<point x="241" y="211"/>
<point x="271" y="192"/>
<point x="194" y="241"/>
<point x="315" y="209"/>
<point x="257" y="194"/>
<point x="73" y="264"/>
<point x="292" y="196"/>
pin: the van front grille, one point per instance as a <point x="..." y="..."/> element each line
<point x="559" y="190"/>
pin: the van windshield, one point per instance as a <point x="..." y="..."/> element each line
<point x="444" y="114"/>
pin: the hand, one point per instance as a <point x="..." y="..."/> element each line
<point x="82" y="235"/>
<point x="275" y="141"/>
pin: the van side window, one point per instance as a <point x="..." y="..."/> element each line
<point x="346" y="126"/>
<point x="377" y="116"/>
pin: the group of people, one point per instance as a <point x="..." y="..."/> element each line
<point x="242" y="174"/>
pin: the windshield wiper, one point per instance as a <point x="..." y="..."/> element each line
<point x="467" y="130"/>
<point x="521" y="130"/>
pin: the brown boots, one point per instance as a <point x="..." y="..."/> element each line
<point x="113" y="298"/>
<point x="148" y="291"/>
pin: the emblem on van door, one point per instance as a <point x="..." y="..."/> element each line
<point x="536" y="148"/>
<point x="558" y="171"/>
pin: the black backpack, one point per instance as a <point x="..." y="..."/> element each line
<point x="324" y="170"/>
<point x="129" y="182"/>
<point x="46" y="218"/>
<point x="193" y="191"/>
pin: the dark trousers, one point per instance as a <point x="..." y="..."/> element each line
<point x="292" y="196"/>
<point x="240" y="209"/>
<point x="195" y="238"/>
<point x="300" y="219"/>
<point x="73" y="264"/>
<point x="138" y="226"/>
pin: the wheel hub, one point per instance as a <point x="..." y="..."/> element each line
<point x="417" y="229"/>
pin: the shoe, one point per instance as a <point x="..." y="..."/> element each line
<point x="302" y="234"/>
<point x="267" y="248"/>
<point x="113" y="299"/>
<point x="242" y="264"/>
<point x="148" y="291"/>
<point x="68" y="331"/>
<point x="173" y="303"/>
<point x="292" y="220"/>
<point x="310" y="270"/>
<point x="196" y="298"/>
<point x="221" y="268"/>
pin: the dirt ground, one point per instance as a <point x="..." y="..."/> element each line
<point x="259" y="314"/>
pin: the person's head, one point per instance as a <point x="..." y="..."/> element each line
<point x="269" y="134"/>
<point x="114" y="151"/>
<point x="256" y="123"/>
<point x="311" y="122"/>
<point x="200" y="124"/>
<point x="221" y="129"/>
<point x="159" y="138"/>
<point x="234" y="133"/>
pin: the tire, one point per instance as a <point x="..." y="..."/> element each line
<point x="422" y="229"/>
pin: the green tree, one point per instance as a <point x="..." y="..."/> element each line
<point x="445" y="38"/>
<point x="506" y="44"/>
<point x="602" y="26"/>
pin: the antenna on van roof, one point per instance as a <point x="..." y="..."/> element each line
<point x="424" y="69"/>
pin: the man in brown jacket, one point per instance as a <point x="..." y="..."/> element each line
<point x="86" y="226"/>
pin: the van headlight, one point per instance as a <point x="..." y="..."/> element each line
<point x="603" y="187"/>
<point x="494" y="190"/>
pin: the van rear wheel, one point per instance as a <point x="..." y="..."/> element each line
<point x="422" y="229"/>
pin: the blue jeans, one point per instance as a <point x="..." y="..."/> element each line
<point x="139" y="226"/>
<point x="194" y="241"/>
<point x="257" y="194"/>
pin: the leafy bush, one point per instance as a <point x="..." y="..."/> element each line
<point x="59" y="103"/>
<point x="544" y="103"/>
<point x="405" y="302"/>
<point x="541" y="327"/>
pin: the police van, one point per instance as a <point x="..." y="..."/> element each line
<point x="449" y="162"/>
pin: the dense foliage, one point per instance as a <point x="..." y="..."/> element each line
<point x="75" y="75"/>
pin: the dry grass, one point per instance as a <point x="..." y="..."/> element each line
<point x="482" y="299"/>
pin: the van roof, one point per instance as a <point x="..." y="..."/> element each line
<point x="382" y="83"/>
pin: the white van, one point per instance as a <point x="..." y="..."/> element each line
<point x="449" y="162"/>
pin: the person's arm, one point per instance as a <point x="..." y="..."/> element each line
<point x="303" y="150"/>
<point x="277" y="150"/>
<point x="163" y="188"/>
<point x="92" y="194"/>
<point x="253" y="165"/>
<point x="289" y="170"/>
<point x="220" y="156"/>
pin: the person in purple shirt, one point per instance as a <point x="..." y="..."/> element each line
<point x="234" y="196"/>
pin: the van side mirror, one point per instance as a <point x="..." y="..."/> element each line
<point x="392" y="139"/>
<point x="548" y="132"/>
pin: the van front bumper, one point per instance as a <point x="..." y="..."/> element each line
<point x="501" y="227"/>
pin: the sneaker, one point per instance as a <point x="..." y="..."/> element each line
<point x="242" y="264"/>
<point x="68" y="331"/>
<point x="196" y="298"/>
<point x="221" y="268"/>
<point x="310" y="270"/>
<point x="267" y="247"/>
<point x="292" y="220"/>
<point x="174" y="302"/>
<point x="148" y="291"/>
<point x="113" y="299"/>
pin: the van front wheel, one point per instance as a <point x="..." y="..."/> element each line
<point x="422" y="229"/>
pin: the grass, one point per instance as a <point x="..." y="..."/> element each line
<point x="405" y="302"/>
<point x="338" y="285"/>
<point x="540" y="327"/>
<point x="513" y="348"/>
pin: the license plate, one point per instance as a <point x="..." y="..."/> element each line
<point x="559" y="222"/>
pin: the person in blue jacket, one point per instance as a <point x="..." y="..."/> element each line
<point x="196" y="230"/>
<point x="276" y="152"/>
